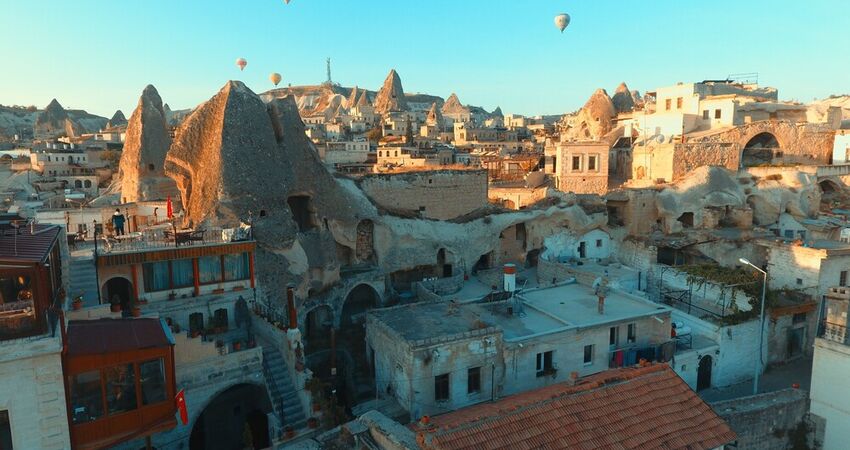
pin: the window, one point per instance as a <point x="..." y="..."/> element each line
<point x="120" y="388"/>
<point x="5" y="431"/>
<point x="544" y="363"/>
<point x="152" y="378"/>
<point x="667" y="104"/>
<point x="86" y="397"/>
<point x="151" y="167"/>
<point x="576" y="162"/>
<point x="679" y="103"/>
<point x="613" y="337"/>
<point x="704" y="114"/>
<point x="802" y="234"/>
<point x="441" y="387"/>
<point x="598" y="243"/>
<point x="591" y="162"/>
<point x="87" y="183"/>
<point x="588" y="355"/>
<point x="182" y="273"/>
<point x="156" y="276"/>
<point x="236" y="267"/>
<point x="798" y="318"/>
<point x="631" y="337"/>
<point x="473" y="380"/>
<point x="716" y="113"/>
<point x="842" y="278"/>
<point x="209" y="269"/>
<point x="789" y="234"/>
<point x="799" y="281"/>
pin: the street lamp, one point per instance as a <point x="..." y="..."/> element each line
<point x="761" y="324"/>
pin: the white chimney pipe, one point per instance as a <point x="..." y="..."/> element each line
<point x="509" y="271"/>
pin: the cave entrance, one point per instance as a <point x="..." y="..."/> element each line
<point x="302" y="212"/>
<point x="760" y="150"/>
<point x="687" y="220"/>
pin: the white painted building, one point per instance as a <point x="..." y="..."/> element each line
<point x="438" y="357"/>
<point x="829" y="394"/>
<point x="841" y="147"/>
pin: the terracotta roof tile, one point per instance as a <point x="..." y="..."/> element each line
<point x="630" y="408"/>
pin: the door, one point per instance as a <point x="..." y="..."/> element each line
<point x="704" y="373"/>
<point x="582" y="249"/>
<point x="796" y="341"/>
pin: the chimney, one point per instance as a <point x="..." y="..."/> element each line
<point x="601" y="304"/>
<point x="573" y="378"/>
<point x="290" y="304"/>
<point x="509" y="271"/>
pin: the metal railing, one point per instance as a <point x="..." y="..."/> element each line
<point x="164" y="239"/>
<point x="833" y="332"/>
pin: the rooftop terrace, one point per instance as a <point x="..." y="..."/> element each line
<point x="541" y="311"/>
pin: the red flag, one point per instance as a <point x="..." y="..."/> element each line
<point x="169" y="208"/>
<point x="180" y="400"/>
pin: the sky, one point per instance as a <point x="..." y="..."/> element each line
<point x="99" y="55"/>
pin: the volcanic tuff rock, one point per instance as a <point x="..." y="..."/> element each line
<point x="146" y="144"/>
<point x="622" y="99"/>
<point x="391" y="95"/>
<point x="594" y="120"/>
<point x="116" y="120"/>
<point x="454" y="106"/>
<point x="435" y="117"/>
<point x="354" y="97"/>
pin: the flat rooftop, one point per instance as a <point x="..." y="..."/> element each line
<point x="540" y="312"/>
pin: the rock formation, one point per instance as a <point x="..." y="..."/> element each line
<point x="354" y="97"/>
<point x="497" y="112"/>
<point x="622" y="99"/>
<point x="454" y="106"/>
<point x="391" y="95"/>
<point x="146" y="144"/>
<point x="117" y="120"/>
<point x="594" y="120"/>
<point x="435" y="117"/>
<point x="53" y="122"/>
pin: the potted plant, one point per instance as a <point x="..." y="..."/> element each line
<point x="115" y="304"/>
<point x="237" y="345"/>
<point x="313" y="422"/>
<point x="172" y="295"/>
<point x="290" y="432"/>
<point x="77" y="303"/>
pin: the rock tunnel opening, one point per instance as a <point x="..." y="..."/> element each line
<point x="302" y="212"/>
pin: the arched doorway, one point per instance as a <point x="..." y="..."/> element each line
<point x="230" y="417"/>
<point x="118" y="290"/>
<point x="444" y="263"/>
<point x="829" y="186"/>
<point x="317" y="328"/>
<point x="704" y="373"/>
<point x="760" y="149"/>
<point x="355" y="380"/>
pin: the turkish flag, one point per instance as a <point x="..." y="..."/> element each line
<point x="168" y="208"/>
<point x="180" y="400"/>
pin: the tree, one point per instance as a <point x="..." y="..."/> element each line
<point x="375" y="134"/>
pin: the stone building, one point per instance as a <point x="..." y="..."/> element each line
<point x="583" y="167"/>
<point x="829" y="373"/>
<point x="438" y="357"/>
<point x="424" y="193"/>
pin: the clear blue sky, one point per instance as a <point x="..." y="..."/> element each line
<point x="99" y="55"/>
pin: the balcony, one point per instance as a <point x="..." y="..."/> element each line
<point x="833" y="332"/>
<point x="163" y="237"/>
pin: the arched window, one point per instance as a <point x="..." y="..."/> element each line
<point x="87" y="183"/>
<point x="78" y="184"/>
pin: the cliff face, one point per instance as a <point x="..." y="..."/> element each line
<point x="146" y="144"/>
<point x="391" y="95"/>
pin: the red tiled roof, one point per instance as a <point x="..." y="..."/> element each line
<point x="104" y="336"/>
<point x="26" y="246"/>
<point x="630" y="408"/>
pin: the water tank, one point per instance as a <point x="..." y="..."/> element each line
<point x="509" y="271"/>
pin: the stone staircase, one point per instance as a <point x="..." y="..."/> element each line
<point x="282" y="393"/>
<point x="83" y="276"/>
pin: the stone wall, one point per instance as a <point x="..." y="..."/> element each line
<point x="689" y="156"/>
<point x="33" y="392"/>
<point x="438" y="194"/>
<point x="764" y="421"/>
<point x="552" y="272"/>
<point x="517" y="197"/>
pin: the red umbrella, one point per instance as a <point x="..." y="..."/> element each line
<point x="169" y="208"/>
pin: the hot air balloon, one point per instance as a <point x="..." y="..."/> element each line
<point x="275" y="78"/>
<point x="286" y="1"/>
<point x="561" y="21"/>
<point x="241" y="63"/>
